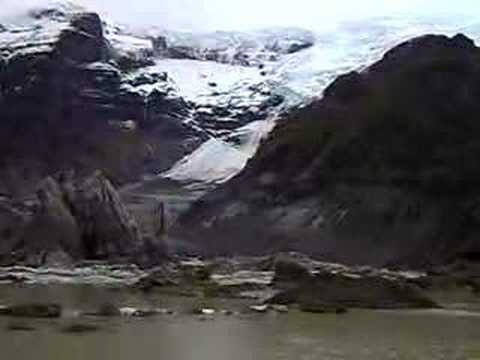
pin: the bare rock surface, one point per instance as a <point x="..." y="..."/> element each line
<point x="72" y="220"/>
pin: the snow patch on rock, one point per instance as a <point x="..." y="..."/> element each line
<point x="217" y="161"/>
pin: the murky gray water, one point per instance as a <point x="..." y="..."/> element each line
<point x="357" y="335"/>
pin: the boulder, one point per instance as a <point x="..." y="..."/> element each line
<point x="106" y="310"/>
<point x="32" y="311"/>
<point x="329" y="292"/>
<point x="288" y="269"/>
<point x="157" y="278"/>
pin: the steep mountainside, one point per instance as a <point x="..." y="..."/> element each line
<point x="79" y="92"/>
<point x="63" y="105"/>
<point x="382" y="170"/>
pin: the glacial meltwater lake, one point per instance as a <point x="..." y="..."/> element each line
<point x="357" y="335"/>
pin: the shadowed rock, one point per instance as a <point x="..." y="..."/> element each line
<point x="330" y="288"/>
<point x="85" y="41"/>
<point x="288" y="269"/>
<point x="53" y="229"/>
<point x="32" y="311"/>
<point x="76" y="220"/>
<point x="107" y="228"/>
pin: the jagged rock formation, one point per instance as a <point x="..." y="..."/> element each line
<point x="52" y="229"/>
<point x="383" y="170"/>
<point x="73" y="220"/>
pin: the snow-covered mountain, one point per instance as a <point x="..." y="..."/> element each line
<point x="226" y="88"/>
<point x="302" y="76"/>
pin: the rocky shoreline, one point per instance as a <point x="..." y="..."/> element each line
<point x="287" y="280"/>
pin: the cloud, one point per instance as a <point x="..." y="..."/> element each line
<point x="247" y="14"/>
<point x="242" y="14"/>
<point x="14" y="7"/>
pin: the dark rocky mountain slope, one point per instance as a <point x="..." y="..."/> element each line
<point x="383" y="170"/>
<point x="63" y="106"/>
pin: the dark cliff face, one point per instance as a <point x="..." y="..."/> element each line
<point x="70" y="220"/>
<point x="85" y="42"/>
<point x="64" y="106"/>
<point x="382" y="170"/>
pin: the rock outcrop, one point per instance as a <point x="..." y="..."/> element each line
<point x="74" y="220"/>
<point x="383" y="170"/>
<point x="84" y="43"/>
<point x="323" y="289"/>
<point x="107" y="227"/>
<point x="53" y="229"/>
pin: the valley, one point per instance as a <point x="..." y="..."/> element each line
<point x="275" y="193"/>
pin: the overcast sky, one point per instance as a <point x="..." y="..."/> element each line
<point x="242" y="14"/>
<point x="247" y="14"/>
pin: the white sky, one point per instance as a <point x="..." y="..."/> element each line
<point x="247" y="14"/>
